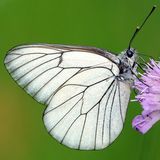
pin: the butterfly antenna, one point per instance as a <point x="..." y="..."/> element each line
<point x="140" y="27"/>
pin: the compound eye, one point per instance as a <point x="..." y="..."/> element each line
<point x="130" y="53"/>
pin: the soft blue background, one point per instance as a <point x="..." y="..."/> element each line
<point x="102" y="23"/>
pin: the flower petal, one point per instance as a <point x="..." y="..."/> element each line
<point x="143" y="123"/>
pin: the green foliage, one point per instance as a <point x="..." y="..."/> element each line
<point x="102" y="23"/>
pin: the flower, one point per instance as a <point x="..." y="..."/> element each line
<point x="148" y="87"/>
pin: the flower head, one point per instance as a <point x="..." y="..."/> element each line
<point x="148" y="87"/>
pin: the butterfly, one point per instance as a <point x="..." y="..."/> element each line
<point x="86" y="89"/>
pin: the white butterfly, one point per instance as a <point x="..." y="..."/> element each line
<point x="86" y="90"/>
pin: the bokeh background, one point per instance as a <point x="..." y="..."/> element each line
<point x="102" y="23"/>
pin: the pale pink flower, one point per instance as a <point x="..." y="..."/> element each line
<point x="148" y="87"/>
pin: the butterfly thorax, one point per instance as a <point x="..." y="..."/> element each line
<point x="127" y="65"/>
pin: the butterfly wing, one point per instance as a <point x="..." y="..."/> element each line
<point x="86" y="103"/>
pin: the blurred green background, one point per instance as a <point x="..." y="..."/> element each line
<point x="105" y="24"/>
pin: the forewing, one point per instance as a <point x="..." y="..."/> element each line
<point x="42" y="69"/>
<point x="86" y="102"/>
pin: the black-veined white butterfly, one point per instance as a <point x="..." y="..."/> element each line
<point x="86" y="90"/>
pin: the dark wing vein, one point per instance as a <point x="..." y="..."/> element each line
<point x="21" y="55"/>
<point x="54" y="92"/>
<point x="119" y="97"/>
<point x="102" y="95"/>
<point x="47" y="82"/>
<point x="65" y="114"/>
<point x="84" y="92"/>
<point x="110" y="117"/>
<point x="95" y="139"/>
<point x="27" y="63"/>
<point x="13" y="59"/>
<point x="37" y="67"/>
<point x="64" y="102"/>
<point x="104" y="117"/>
<point x="80" y="141"/>
<point x="69" y="128"/>
<point x="98" y="103"/>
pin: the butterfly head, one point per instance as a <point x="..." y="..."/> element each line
<point x="128" y="58"/>
<point x="130" y="52"/>
<point x="131" y="56"/>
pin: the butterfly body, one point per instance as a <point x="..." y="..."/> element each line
<point x="127" y="65"/>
